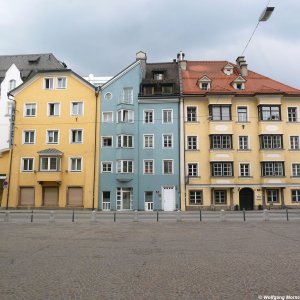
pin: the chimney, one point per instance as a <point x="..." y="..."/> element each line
<point x="143" y="58"/>
<point x="242" y="65"/>
<point x="181" y="60"/>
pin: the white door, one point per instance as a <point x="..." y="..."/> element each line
<point x="168" y="198"/>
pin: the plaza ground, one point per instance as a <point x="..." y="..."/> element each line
<point x="149" y="260"/>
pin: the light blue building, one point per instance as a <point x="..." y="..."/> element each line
<point x="139" y="134"/>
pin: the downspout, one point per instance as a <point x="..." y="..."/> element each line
<point x="12" y="146"/>
<point x="97" y="90"/>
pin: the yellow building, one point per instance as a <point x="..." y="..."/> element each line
<point x="55" y="154"/>
<point x="240" y="143"/>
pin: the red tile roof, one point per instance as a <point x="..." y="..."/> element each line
<point x="222" y="83"/>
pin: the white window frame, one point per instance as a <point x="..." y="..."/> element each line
<point x="163" y="164"/>
<point x="248" y="140"/>
<point x="48" y="109"/>
<point x="108" y="96"/>
<point x="290" y="142"/>
<point x="187" y="142"/>
<point x="272" y="194"/>
<point x="22" y="164"/>
<point x="71" y="135"/>
<point x="53" y="83"/>
<point x="247" y="113"/>
<point x="64" y="78"/>
<point x="129" y="99"/>
<point x="120" y="166"/>
<point x="195" y="202"/>
<point x="297" y="195"/>
<point x="249" y="169"/>
<point x="144" y="140"/>
<point x="163" y="119"/>
<point x="292" y="169"/>
<point x="122" y="138"/>
<point x="107" y="137"/>
<point x="197" y="169"/>
<point x="23" y="136"/>
<point x="47" y="136"/>
<point x="70" y="163"/>
<point x="106" y="163"/>
<point x="144" y="166"/>
<point x="25" y="110"/>
<point x="58" y="163"/>
<point x="163" y="140"/>
<point x="112" y="116"/>
<point x="186" y="113"/>
<point x="297" y="114"/>
<point x="130" y="116"/>
<point x="219" y="192"/>
<point x="145" y="111"/>
<point x="72" y="106"/>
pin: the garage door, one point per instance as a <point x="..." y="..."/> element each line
<point x="50" y="196"/>
<point x="27" y="196"/>
<point x="75" y="196"/>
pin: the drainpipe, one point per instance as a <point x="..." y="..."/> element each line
<point x="11" y="145"/>
<point x="97" y="90"/>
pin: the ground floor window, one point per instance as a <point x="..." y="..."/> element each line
<point x="295" y="195"/>
<point x="220" y="196"/>
<point x="106" y="200"/>
<point x="148" y="200"/>
<point x="272" y="195"/>
<point x="195" y="197"/>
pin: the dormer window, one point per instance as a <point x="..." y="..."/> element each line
<point x="239" y="83"/>
<point x="204" y="83"/>
<point x="158" y="75"/>
<point x="239" y="86"/>
<point x="228" y="69"/>
<point x="167" y="89"/>
<point x="148" y="89"/>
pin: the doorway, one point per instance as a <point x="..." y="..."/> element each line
<point x="246" y="199"/>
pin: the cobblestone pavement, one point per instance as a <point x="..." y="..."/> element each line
<point x="135" y="260"/>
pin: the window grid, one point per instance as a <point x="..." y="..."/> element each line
<point x="76" y="164"/>
<point x="292" y="114"/>
<point x="29" y="137"/>
<point x="167" y="141"/>
<point x="148" y="141"/>
<point x="52" y="136"/>
<point x="269" y="113"/>
<point x="167" y="166"/>
<point x="167" y="116"/>
<point x="192" y="142"/>
<point x="77" y="108"/>
<point x="50" y="164"/>
<point x="243" y="143"/>
<point x="294" y="142"/>
<point x="220" y="112"/>
<point x="196" y="197"/>
<point x="124" y="166"/>
<point x="271" y="141"/>
<point x="191" y="113"/>
<point x="76" y="136"/>
<point x="148" y="167"/>
<point x="295" y="195"/>
<point x="222" y="169"/>
<point x="272" y="196"/>
<point x="27" y="164"/>
<point x="272" y="169"/>
<point x="106" y="167"/>
<point x="30" y="110"/>
<point x="296" y="169"/>
<point x="220" y="196"/>
<point x="148" y="116"/>
<point x="193" y="169"/>
<point x="223" y="141"/>
<point x="242" y="114"/>
<point x="245" y="170"/>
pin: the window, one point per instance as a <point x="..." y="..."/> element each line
<point x="220" y="196"/>
<point x="244" y="170"/>
<point x="30" y="110"/>
<point x="148" y="167"/>
<point x="292" y="114"/>
<point x="167" y="116"/>
<point x="107" y="117"/>
<point x="61" y="82"/>
<point x="27" y="165"/>
<point x="167" y="89"/>
<point x="242" y="114"/>
<point x="191" y="143"/>
<point x="148" y="89"/>
<point x="158" y="75"/>
<point x="148" y="116"/>
<point x="270" y="168"/>
<point x="75" y="164"/>
<point x="272" y="195"/>
<point x="167" y="166"/>
<point x="77" y="108"/>
<point x="125" y="116"/>
<point x="48" y="83"/>
<point x="10" y="109"/>
<point x="243" y="143"/>
<point x="204" y="86"/>
<point x="76" y="136"/>
<point x="167" y="140"/>
<point x="12" y="84"/>
<point x="148" y="141"/>
<point x="196" y="197"/>
<point x="125" y="141"/>
<point x="128" y="95"/>
<point x="295" y="195"/>
<point x="124" y="166"/>
<point x="221" y="141"/>
<point x="220" y="112"/>
<point x="53" y="109"/>
<point x="271" y="141"/>
<point x="107" y="141"/>
<point x="52" y="136"/>
<point x="193" y="170"/>
<point x="106" y="200"/>
<point x="191" y="114"/>
<point x="50" y="163"/>
<point x="148" y="200"/>
<point x="106" y="167"/>
<point x="108" y="96"/>
<point x="239" y="86"/>
<point x="296" y="169"/>
<point x="269" y="112"/>
<point x="28" y="137"/>
<point x="222" y="169"/>
<point x="294" y="142"/>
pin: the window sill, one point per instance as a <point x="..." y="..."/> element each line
<point x="244" y="150"/>
<point x="245" y="177"/>
<point x="192" y="122"/>
<point x="225" y="121"/>
<point x="215" y="150"/>
<point x="222" y="177"/>
<point x="295" y="177"/>
<point x="273" y="176"/>
<point x="292" y="150"/>
<point x="242" y="122"/>
<point x="193" y="150"/>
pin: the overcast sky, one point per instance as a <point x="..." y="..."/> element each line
<point x="103" y="36"/>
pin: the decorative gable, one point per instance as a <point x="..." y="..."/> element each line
<point x="239" y="83"/>
<point x="228" y="69"/>
<point x="204" y="83"/>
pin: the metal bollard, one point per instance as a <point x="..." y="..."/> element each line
<point x="135" y="217"/>
<point x="115" y="216"/>
<point x="31" y="219"/>
<point x="287" y="214"/>
<point x="93" y="216"/>
<point x="244" y="213"/>
<point x="157" y="216"/>
<point x="200" y="214"/>
<point x="73" y="216"/>
<point x="52" y="217"/>
<point x="266" y="215"/>
<point x="7" y="216"/>
<point x="179" y="216"/>
<point x="222" y="215"/>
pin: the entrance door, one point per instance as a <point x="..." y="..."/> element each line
<point x="126" y="199"/>
<point x="168" y="198"/>
<point x="246" y="199"/>
<point x="50" y="196"/>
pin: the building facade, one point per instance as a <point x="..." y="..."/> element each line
<point x="241" y="138"/>
<point x="53" y="162"/>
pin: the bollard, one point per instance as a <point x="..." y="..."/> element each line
<point x="179" y="216"/>
<point x="200" y="214"/>
<point x="244" y="213"/>
<point x="115" y="216"/>
<point x="93" y="216"/>
<point x="31" y="219"/>
<point x="73" y="216"/>
<point x="135" y="217"/>
<point x="157" y="216"/>
<point x="52" y="217"/>
<point x="287" y="214"/>
<point x="266" y="215"/>
<point x="222" y="215"/>
<point x="7" y="216"/>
